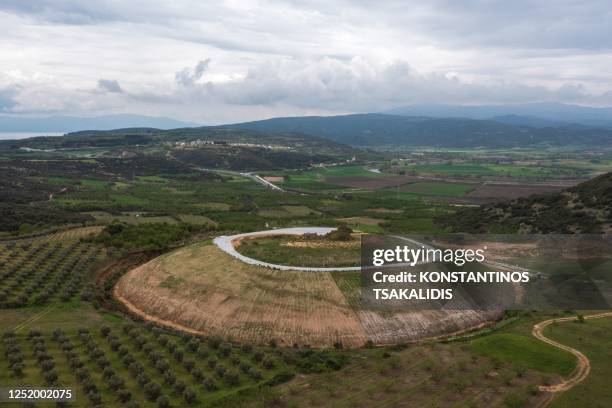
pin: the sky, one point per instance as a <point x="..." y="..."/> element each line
<point x="217" y="62"/>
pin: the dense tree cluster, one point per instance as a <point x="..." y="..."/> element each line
<point x="146" y="236"/>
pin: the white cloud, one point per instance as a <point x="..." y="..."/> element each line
<point x="240" y="60"/>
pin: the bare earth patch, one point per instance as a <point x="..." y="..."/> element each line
<point x="498" y="192"/>
<point x="215" y="294"/>
<point x="203" y="290"/>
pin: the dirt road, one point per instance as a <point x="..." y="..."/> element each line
<point x="583" y="368"/>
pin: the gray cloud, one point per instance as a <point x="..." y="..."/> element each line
<point x="276" y="57"/>
<point x="66" y="12"/>
<point x="187" y="77"/>
<point x="545" y="24"/>
<point x="109" y="85"/>
<point x="356" y="85"/>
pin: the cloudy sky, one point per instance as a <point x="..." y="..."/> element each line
<point x="227" y="61"/>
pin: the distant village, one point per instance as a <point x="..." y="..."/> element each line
<point x="205" y="142"/>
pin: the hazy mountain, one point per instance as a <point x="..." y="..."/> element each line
<point x="383" y="129"/>
<point x="73" y="123"/>
<point x="556" y="112"/>
<point x="532" y="121"/>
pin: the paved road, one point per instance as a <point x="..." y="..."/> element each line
<point x="252" y="176"/>
<point x="224" y="243"/>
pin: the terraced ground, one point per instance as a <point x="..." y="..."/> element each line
<point x="202" y="289"/>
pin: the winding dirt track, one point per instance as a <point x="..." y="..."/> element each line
<point x="583" y="368"/>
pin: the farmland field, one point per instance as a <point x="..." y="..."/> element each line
<point x="41" y="270"/>
<point x="127" y="364"/>
<point x="492" y="170"/>
<point x="498" y="192"/>
<point x="439" y="189"/>
<point x="289" y="250"/>
<point x="112" y="284"/>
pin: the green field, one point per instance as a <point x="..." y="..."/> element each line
<point x="316" y="179"/>
<point x="466" y="169"/>
<point x="525" y="351"/>
<point x="311" y="252"/>
<point x="594" y="340"/>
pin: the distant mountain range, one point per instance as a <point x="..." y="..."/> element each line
<point x="72" y="123"/>
<point x="530" y="114"/>
<point x="375" y="129"/>
<point x="494" y="126"/>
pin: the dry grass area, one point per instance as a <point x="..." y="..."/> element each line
<point x="361" y="220"/>
<point x="321" y="244"/>
<point x="72" y="234"/>
<point x="205" y="289"/>
<point x="385" y="210"/>
<point x="409" y="326"/>
<point x="423" y="375"/>
<point x="274" y="179"/>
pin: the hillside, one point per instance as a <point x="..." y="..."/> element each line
<point x="131" y="137"/>
<point x="585" y="208"/>
<point x="380" y="129"/>
<point x="530" y="114"/>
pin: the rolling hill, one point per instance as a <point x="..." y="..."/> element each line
<point x="530" y="114"/>
<point x="585" y="208"/>
<point x="381" y="129"/>
<point x="233" y="149"/>
<point x="148" y="136"/>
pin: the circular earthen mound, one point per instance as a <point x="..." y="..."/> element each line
<point x="204" y="290"/>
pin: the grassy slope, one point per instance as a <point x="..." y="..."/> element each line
<point x="526" y="351"/>
<point x="594" y="340"/>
